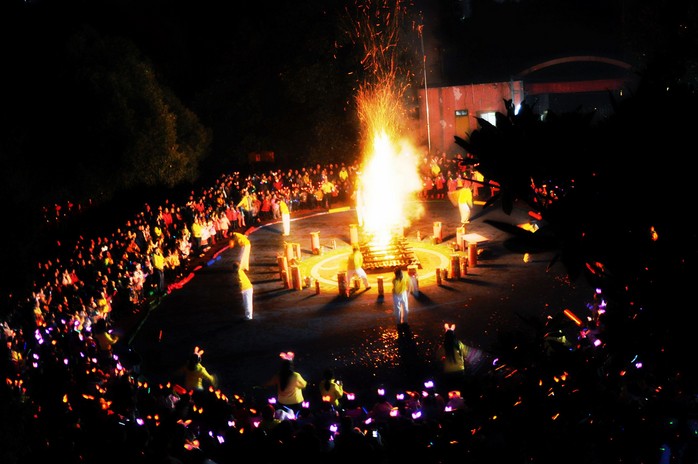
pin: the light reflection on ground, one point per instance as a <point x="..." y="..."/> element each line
<point x="405" y="356"/>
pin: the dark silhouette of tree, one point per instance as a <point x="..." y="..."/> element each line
<point x="617" y="217"/>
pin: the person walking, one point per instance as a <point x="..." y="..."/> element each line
<point x="355" y="267"/>
<point x="243" y="242"/>
<point x="289" y="384"/>
<point x="402" y="287"/>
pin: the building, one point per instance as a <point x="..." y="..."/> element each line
<point x="560" y="85"/>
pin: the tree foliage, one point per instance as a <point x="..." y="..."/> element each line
<point x="134" y="131"/>
<point x="618" y="215"/>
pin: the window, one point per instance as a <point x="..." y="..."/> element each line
<point x="489" y="117"/>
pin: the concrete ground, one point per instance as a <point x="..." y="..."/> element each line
<point x="356" y="336"/>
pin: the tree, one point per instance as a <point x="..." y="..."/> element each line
<point x="135" y="131"/>
<point x="102" y="125"/>
<point x="617" y="215"/>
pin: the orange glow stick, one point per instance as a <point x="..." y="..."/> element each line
<point x="572" y="316"/>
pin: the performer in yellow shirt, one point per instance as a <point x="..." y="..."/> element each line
<point x="247" y="292"/>
<point x="465" y="204"/>
<point x="402" y="287"/>
<point x="355" y="267"/>
<point x="285" y="217"/>
<point x="241" y="241"/>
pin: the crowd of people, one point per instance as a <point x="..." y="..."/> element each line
<point x="77" y="392"/>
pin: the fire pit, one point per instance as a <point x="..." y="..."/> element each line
<point x="381" y="257"/>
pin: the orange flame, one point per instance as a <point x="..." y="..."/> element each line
<point x="389" y="177"/>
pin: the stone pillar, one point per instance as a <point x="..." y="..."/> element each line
<point x="342" y="284"/>
<point x="438" y="233"/>
<point x="353" y="234"/>
<point x="283" y="265"/>
<point x="472" y="254"/>
<point x="315" y="242"/>
<point x="296" y="277"/>
<point x="460" y="232"/>
<point x="454" y="268"/>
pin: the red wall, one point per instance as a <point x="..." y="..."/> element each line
<point x="443" y="103"/>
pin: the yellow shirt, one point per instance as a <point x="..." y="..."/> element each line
<point x="245" y="282"/>
<point x="194" y="379"/>
<point x="293" y="394"/>
<point x="355" y="261"/>
<point x="401" y="285"/>
<point x="105" y="340"/>
<point x="327" y="187"/>
<point x="239" y="239"/>
<point x="196" y="229"/>
<point x="457" y="365"/>
<point x="332" y="394"/>
<point x="158" y="261"/>
<point x="465" y="196"/>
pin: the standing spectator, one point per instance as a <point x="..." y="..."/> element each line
<point x="331" y="389"/>
<point x="196" y="236"/>
<point x="137" y="282"/>
<point x="478" y="181"/>
<point x="157" y="261"/>
<point x="265" y="209"/>
<point x="256" y="208"/>
<point x="328" y="189"/>
<point x="452" y="354"/>
<point x="343" y="176"/>
<point x="195" y="373"/>
<point x="241" y="221"/>
<point x="232" y="213"/>
<point x="245" y="207"/>
<point x="244" y="245"/>
<point x="275" y="211"/>
<point x="269" y="420"/>
<point x="289" y="384"/>
<point x="223" y="224"/>
<point x="105" y="340"/>
<point x="402" y="287"/>
<point x="318" y="197"/>
<point x="184" y="242"/>
<point x="355" y="268"/>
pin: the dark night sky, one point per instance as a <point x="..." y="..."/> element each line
<point x="262" y="74"/>
<point x="192" y="41"/>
